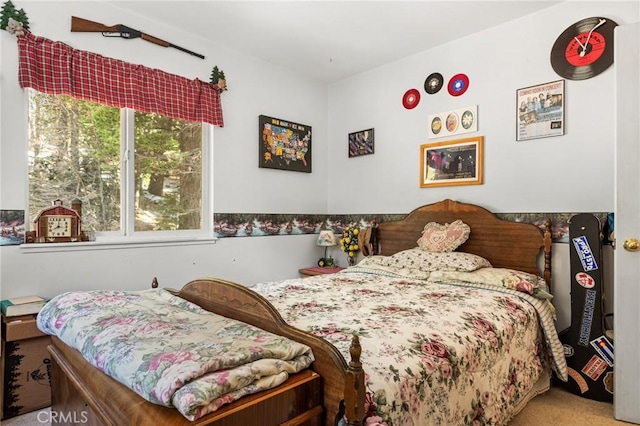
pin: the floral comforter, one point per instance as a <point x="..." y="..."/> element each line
<point x="170" y="351"/>
<point x="451" y="347"/>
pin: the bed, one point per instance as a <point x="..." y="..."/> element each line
<point x="446" y="338"/>
<point x="433" y="375"/>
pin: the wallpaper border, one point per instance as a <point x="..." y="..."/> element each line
<point x="265" y="224"/>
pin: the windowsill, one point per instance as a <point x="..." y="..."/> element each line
<point x="114" y="244"/>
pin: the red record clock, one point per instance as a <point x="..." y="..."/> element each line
<point x="585" y="49"/>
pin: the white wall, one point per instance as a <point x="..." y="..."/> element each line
<point x="570" y="173"/>
<point x="239" y="185"/>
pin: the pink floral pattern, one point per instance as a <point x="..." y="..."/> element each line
<point x="433" y="353"/>
<point x="169" y="351"/>
<point x="446" y="237"/>
<point x="502" y="277"/>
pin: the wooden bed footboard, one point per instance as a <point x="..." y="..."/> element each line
<point x="81" y="394"/>
<point x="342" y="383"/>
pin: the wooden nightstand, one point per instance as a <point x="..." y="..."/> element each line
<point x="316" y="270"/>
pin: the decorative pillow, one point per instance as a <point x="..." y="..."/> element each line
<point x="444" y="238"/>
<point x="418" y="263"/>
<point x="501" y="277"/>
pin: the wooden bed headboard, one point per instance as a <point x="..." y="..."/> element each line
<point x="505" y="244"/>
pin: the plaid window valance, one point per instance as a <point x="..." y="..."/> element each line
<point x="57" y="68"/>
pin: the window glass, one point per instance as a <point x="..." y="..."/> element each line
<point x="168" y="173"/>
<point x="81" y="149"/>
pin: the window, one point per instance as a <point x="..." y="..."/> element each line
<point x="137" y="174"/>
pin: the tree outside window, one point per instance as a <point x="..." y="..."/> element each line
<point x="81" y="149"/>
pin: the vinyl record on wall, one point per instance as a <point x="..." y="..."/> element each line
<point x="433" y="83"/>
<point x="458" y="84"/>
<point x="468" y="119"/>
<point x="436" y="125"/>
<point x="411" y="98"/>
<point x="585" y="49"/>
<point x="453" y="123"/>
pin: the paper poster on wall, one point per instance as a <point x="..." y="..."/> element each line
<point x="456" y="122"/>
<point x="540" y="111"/>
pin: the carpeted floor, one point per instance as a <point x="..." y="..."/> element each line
<point x="559" y="407"/>
<point x="555" y="407"/>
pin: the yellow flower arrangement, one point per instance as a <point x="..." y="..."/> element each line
<point x="349" y="242"/>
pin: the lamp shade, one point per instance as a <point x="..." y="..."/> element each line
<point x="326" y="238"/>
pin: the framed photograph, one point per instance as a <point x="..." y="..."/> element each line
<point x="448" y="163"/>
<point x="284" y="145"/>
<point x="451" y="123"/>
<point x="361" y="143"/>
<point x="12" y="229"/>
<point x="540" y="111"/>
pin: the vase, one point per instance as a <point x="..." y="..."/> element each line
<point x="351" y="260"/>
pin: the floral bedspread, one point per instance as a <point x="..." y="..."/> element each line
<point x="436" y="351"/>
<point x="170" y="351"/>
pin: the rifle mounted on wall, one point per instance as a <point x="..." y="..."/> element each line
<point x="81" y="25"/>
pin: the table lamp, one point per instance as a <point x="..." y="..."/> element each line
<point x="326" y="239"/>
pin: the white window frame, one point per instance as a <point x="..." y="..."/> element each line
<point x="127" y="235"/>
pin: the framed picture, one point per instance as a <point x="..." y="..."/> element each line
<point x="451" y="123"/>
<point x="448" y="163"/>
<point x="361" y="143"/>
<point x="540" y="111"/>
<point x="12" y="229"/>
<point x="284" y="145"/>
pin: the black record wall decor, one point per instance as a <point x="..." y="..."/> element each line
<point x="585" y="49"/>
<point x="433" y="83"/>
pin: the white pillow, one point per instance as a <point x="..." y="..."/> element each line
<point x="417" y="259"/>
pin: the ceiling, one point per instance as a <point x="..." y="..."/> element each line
<point x="331" y="40"/>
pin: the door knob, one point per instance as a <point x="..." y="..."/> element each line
<point x="631" y="244"/>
